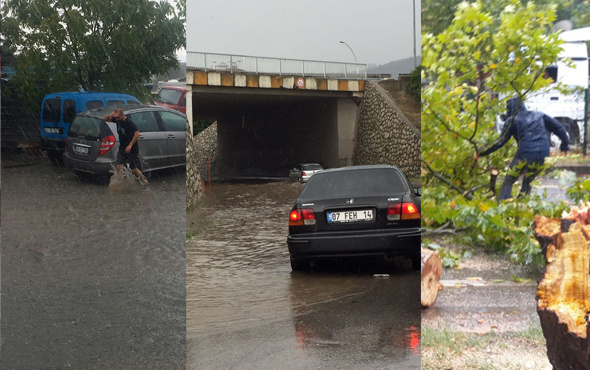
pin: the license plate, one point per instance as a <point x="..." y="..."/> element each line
<point x="80" y="149"/>
<point x="351" y="216"/>
<point x="52" y="130"/>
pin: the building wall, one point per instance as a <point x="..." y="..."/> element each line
<point x="384" y="135"/>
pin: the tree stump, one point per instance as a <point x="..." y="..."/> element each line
<point x="431" y="271"/>
<point x="563" y="294"/>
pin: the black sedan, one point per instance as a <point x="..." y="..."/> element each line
<point x="355" y="211"/>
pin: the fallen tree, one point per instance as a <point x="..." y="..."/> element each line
<point x="563" y="295"/>
<point x="431" y="271"/>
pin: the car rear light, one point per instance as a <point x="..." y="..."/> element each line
<point x="302" y="217"/>
<point x="308" y="216"/>
<point x="410" y="211"/>
<point x="394" y="211"/>
<point x="107" y="143"/>
<point x="404" y="211"/>
<point x="295" y="218"/>
<point x="303" y="173"/>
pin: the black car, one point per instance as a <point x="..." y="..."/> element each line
<point x="355" y="211"/>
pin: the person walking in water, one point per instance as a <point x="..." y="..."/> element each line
<point x="529" y="129"/>
<point x="128" y="146"/>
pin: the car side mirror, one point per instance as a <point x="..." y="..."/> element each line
<point x="419" y="191"/>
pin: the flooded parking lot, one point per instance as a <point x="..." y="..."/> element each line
<point x="247" y="310"/>
<point x="91" y="277"/>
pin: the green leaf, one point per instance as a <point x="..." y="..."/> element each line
<point x="520" y="280"/>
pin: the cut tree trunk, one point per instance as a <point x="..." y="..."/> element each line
<point x="431" y="269"/>
<point x="563" y="295"/>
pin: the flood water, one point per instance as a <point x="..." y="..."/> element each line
<point x="247" y="310"/>
<point x="92" y="278"/>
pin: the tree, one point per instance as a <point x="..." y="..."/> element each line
<point x="415" y="85"/>
<point x="479" y="57"/>
<point x="95" y="45"/>
<point x="437" y="15"/>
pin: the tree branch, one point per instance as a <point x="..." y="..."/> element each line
<point x="442" y="178"/>
<point x="442" y="122"/>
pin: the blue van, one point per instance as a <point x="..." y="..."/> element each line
<point x="59" y="109"/>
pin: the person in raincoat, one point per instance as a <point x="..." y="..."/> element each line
<point x="529" y="129"/>
<point x="128" y="147"/>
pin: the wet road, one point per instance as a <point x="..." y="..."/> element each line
<point x="247" y="310"/>
<point x="92" y="278"/>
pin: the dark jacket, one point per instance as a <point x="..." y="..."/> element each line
<point x="529" y="129"/>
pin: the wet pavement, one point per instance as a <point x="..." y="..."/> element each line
<point x="482" y="296"/>
<point x="92" y="278"/>
<point x="247" y="310"/>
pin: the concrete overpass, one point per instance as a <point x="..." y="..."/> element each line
<point x="274" y="113"/>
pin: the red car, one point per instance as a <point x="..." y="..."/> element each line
<point x="173" y="97"/>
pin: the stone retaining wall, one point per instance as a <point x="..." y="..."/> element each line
<point x="194" y="188"/>
<point x="384" y="135"/>
<point x="206" y="142"/>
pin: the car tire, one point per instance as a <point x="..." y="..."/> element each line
<point x="299" y="264"/>
<point x="416" y="262"/>
<point x="82" y="176"/>
<point x="55" y="157"/>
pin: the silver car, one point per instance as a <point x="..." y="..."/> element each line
<point x="303" y="171"/>
<point x="92" y="143"/>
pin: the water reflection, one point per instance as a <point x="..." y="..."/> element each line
<point x="244" y="302"/>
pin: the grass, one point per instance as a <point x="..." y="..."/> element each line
<point x="533" y="333"/>
<point x="194" y="207"/>
<point x="448" y="349"/>
<point x="572" y="159"/>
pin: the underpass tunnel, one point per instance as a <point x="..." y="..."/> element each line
<point x="266" y="136"/>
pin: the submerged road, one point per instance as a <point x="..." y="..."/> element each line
<point x="247" y="310"/>
<point x="92" y="278"/>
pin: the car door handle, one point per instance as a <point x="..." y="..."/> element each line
<point x="141" y="136"/>
<point x="170" y="136"/>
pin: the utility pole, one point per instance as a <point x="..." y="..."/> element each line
<point x="414" y="18"/>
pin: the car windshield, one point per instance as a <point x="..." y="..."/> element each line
<point x="170" y="96"/>
<point x="312" y="167"/>
<point x="87" y="127"/>
<point x="362" y="182"/>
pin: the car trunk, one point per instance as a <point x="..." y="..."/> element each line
<point x="85" y="137"/>
<point x="352" y="213"/>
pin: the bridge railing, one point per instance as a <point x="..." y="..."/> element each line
<point x="276" y="66"/>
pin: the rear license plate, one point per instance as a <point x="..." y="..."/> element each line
<point x="351" y="216"/>
<point x="80" y="149"/>
<point x="52" y="130"/>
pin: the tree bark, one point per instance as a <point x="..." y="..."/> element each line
<point x="431" y="271"/>
<point x="563" y="295"/>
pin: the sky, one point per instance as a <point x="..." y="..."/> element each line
<point x="378" y="31"/>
